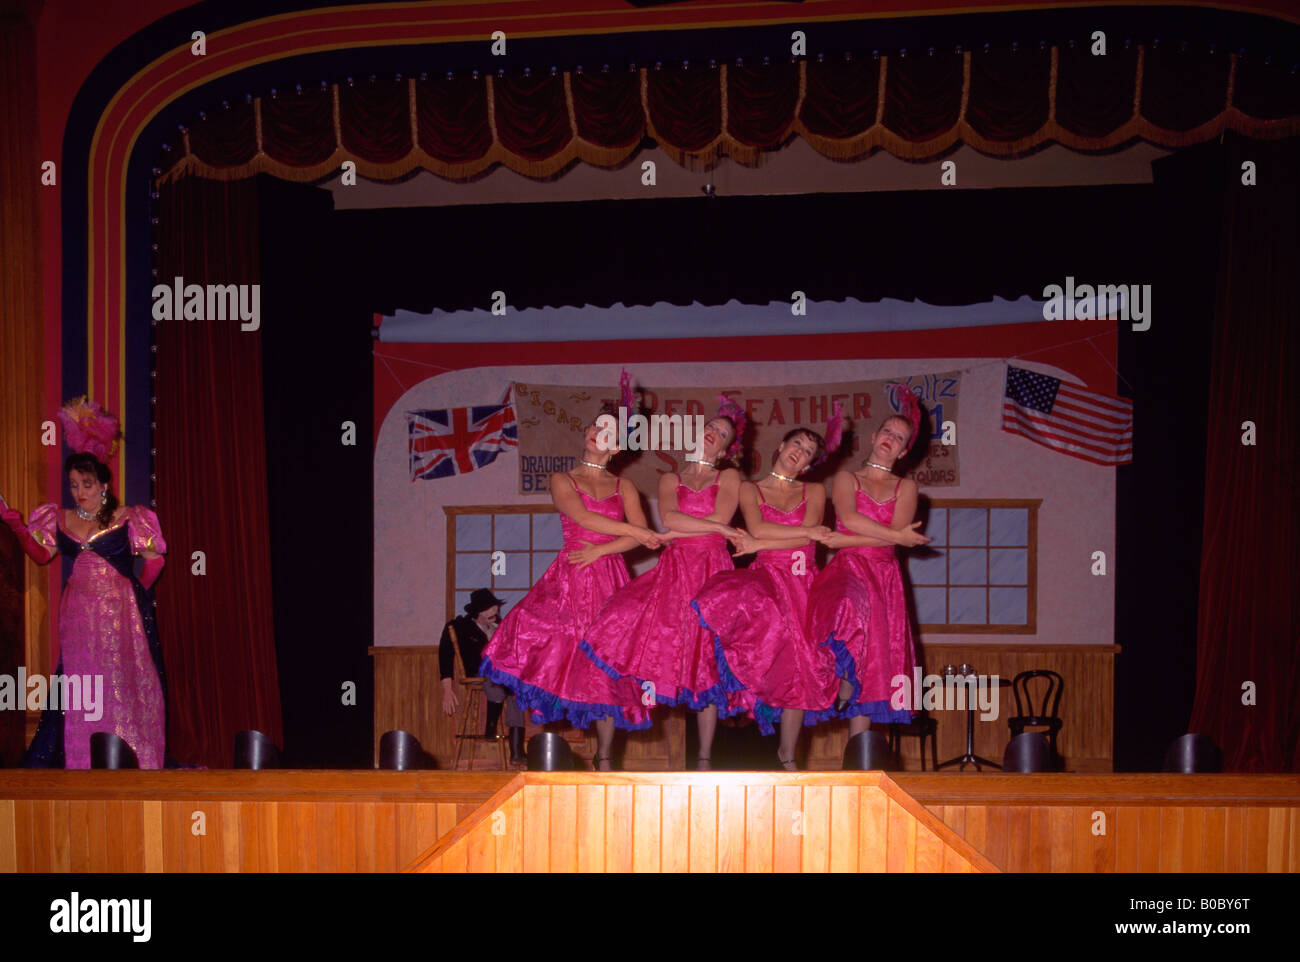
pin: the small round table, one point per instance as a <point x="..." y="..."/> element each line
<point x="970" y="758"/>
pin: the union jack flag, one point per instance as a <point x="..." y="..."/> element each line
<point x="458" y="440"/>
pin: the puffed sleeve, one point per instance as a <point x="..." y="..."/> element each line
<point x="42" y="524"/>
<point x="146" y="533"/>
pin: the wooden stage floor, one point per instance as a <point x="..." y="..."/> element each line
<point x="381" y="821"/>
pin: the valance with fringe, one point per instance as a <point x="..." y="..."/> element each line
<point x="1003" y="103"/>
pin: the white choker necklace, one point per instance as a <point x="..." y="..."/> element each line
<point x="591" y="464"/>
<point x="880" y="467"/>
<point x="86" y="515"/>
<point x="783" y="477"/>
<point x="707" y="464"/>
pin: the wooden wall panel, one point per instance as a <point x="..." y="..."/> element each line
<point x="252" y="821"/>
<point x="649" y="822"/>
<point x="719" y="823"/>
<point x="1152" y="823"/>
<point x="1087" y="706"/>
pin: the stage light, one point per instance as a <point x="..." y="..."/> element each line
<point x="400" y="751"/>
<point x="111" y="752"/>
<point x="1028" y="752"/>
<point x="1193" y="753"/>
<point x="253" y="750"/>
<point x="548" y="752"/>
<point x="869" y="751"/>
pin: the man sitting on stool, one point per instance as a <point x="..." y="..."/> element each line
<point x="473" y="629"/>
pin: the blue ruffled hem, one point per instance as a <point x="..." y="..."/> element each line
<point x="727" y="683"/>
<point x="846" y="668"/>
<point x="715" y="695"/>
<point x="546" y="707"/>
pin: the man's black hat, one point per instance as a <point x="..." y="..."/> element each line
<point x="481" y="599"/>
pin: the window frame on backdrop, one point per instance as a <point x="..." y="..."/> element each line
<point x="512" y="593"/>
<point x="942" y="543"/>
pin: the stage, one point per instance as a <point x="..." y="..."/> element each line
<point x="382" y="821"/>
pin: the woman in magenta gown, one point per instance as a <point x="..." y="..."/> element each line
<point x="106" y="618"/>
<point x="771" y="668"/>
<point x="535" y="651"/>
<point x="858" y="610"/>
<point x="648" y="630"/>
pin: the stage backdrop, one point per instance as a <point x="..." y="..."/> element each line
<point x="1014" y="542"/>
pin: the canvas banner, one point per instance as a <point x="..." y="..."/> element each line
<point x="552" y="419"/>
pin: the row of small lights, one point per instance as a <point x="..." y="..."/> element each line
<point x="1184" y="47"/>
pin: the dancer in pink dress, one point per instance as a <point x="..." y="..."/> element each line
<point x="106" y="617"/>
<point x="648" y="630"/>
<point x="858" y="610"/>
<point x="757" y="616"/>
<point x="535" y="650"/>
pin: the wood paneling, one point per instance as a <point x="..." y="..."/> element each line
<point x="715" y="822"/>
<point x="1121" y="823"/>
<point x="313" y="821"/>
<point x="1087" y="706"/>
<point x="408" y="695"/>
<point x="250" y="821"/>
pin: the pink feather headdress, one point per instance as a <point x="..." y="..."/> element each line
<point x="728" y="408"/>
<point x="88" y="428"/>
<point x="834" y="431"/>
<point x="910" y="408"/>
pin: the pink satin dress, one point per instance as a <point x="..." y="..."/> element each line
<point x="649" y="631"/>
<point x="102" y="634"/>
<point x="757" y="617"/>
<point x="858" y="611"/>
<point x="535" y="652"/>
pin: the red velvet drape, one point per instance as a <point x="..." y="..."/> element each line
<point x="1249" y="616"/>
<point x="216" y="627"/>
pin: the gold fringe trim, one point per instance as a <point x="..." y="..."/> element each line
<point x="725" y="145"/>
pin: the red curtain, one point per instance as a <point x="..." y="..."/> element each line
<point x="1248" y="627"/>
<point x="216" y="627"/>
<point x="1002" y="102"/>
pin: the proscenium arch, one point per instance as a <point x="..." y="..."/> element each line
<point x="112" y="164"/>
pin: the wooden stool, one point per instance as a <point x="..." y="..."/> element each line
<point x="472" y="690"/>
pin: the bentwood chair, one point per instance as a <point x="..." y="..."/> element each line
<point x="1046" y="717"/>
<point x="923" y="726"/>
<point x="472" y="707"/>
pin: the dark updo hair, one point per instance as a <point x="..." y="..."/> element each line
<point x="725" y="454"/>
<point x="87" y="463"/>
<point x="611" y="408"/>
<point x="817" y="439"/>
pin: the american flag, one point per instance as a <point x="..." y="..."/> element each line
<point x="458" y="440"/>
<point x="1095" y="427"/>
